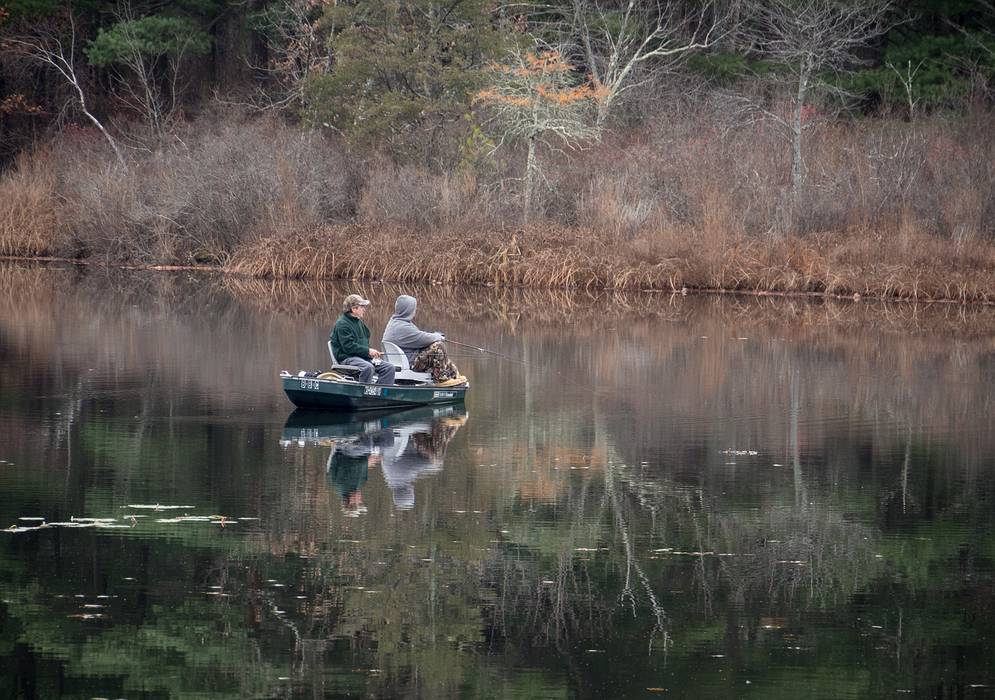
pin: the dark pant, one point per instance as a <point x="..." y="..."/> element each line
<point x="384" y="370"/>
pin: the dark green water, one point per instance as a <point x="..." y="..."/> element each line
<point x="667" y="496"/>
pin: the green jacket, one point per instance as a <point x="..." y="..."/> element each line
<point x="350" y="338"/>
<point x="348" y="474"/>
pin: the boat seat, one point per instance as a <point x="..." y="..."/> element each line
<point x="396" y="356"/>
<point x="347" y="370"/>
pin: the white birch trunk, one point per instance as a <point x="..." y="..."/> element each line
<point x="797" y="164"/>
<point x="531" y="174"/>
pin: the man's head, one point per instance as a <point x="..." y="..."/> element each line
<point x="355" y="304"/>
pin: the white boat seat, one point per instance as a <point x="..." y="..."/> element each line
<point x="347" y="370"/>
<point x="396" y="356"/>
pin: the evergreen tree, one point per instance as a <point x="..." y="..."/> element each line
<point x="395" y="65"/>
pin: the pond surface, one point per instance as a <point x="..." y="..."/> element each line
<point x="697" y="497"/>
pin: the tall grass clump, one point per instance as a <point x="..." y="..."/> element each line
<point x="29" y="225"/>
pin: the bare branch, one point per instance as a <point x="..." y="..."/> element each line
<point x="46" y="47"/>
<point x="620" y="37"/>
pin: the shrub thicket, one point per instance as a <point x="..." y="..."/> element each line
<point x="890" y="208"/>
<point x="195" y="197"/>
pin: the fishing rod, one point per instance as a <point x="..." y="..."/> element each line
<point x="491" y="352"/>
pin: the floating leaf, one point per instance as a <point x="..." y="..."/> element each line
<point x="73" y="518"/>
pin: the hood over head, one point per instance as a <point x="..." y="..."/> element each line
<point x="405" y="307"/>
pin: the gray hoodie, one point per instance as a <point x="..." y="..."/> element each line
<point x="405" y="334"/>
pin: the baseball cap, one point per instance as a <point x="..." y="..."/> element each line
<point x="354" y="300"/>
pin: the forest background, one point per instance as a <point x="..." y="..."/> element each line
<point x="823" y="146"/>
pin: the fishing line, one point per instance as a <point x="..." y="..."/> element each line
<point x="490" y="352"/>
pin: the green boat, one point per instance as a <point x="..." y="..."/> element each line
<point x="338" y="389"/>
<point x="350" y="395"/>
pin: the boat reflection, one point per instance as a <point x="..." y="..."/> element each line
<point x="406" y="445"/>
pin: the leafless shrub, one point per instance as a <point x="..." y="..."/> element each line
<point x="618" y="206"/>
<point x="863" y="174"/>
<point x="415" y="199"/>
<point x="202" y="192"/>
<point x="403" y="196"/>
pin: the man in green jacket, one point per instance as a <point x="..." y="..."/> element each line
<point x="351" y="343"/>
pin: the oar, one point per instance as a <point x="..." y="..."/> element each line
<point x="490" y="352"/>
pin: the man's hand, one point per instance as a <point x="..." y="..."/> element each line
<point x="375" y="354"/>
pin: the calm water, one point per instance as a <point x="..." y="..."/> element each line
<point x="663" y="496"/>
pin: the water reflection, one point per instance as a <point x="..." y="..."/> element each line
<point x="406" y="445"/>
<point x="668" y="492"/>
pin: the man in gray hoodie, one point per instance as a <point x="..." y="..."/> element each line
<point x="425" y="351"/>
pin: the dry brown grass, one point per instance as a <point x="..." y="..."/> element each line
<point x="535" y="257"/>
<point x="29" y="225"/>
<point x="918" y="266"/>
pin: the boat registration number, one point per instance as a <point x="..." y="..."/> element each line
<point x="443" y="394"/>
<point x="309" y="384"/>
<point x="373" y="390"/>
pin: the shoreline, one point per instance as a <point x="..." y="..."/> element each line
<point x="683" y="291"/>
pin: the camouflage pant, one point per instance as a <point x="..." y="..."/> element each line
<point x="435" y="360"/>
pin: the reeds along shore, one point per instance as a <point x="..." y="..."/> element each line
<point x="890" y="209"/>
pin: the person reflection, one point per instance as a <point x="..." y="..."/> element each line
<point x="416" y="450"/>
<point x="348" y="468"/>
<point x="405" y="444"/>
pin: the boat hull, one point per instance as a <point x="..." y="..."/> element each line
<point x="319" y="427"/>
<point x="329" y="394"/>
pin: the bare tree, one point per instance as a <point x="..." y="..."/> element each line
<point x="907" y="79"/>
<point x="806" y="41"/>
<point x="142" y="91"/>
<point x="534" y="98"/>
<point x="622" y="41"/>
<point x="47" y="46"/>
<point x="147" y="55"/>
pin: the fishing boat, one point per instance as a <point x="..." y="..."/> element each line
<point x="339" y="389"/>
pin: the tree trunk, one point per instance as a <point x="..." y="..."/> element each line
<point x="96" y="123"/>
<point x="531" y="173"/>
<point x="797" y="164"/>
<point x="801" y="493"/>
<point x="604" y="106"/>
